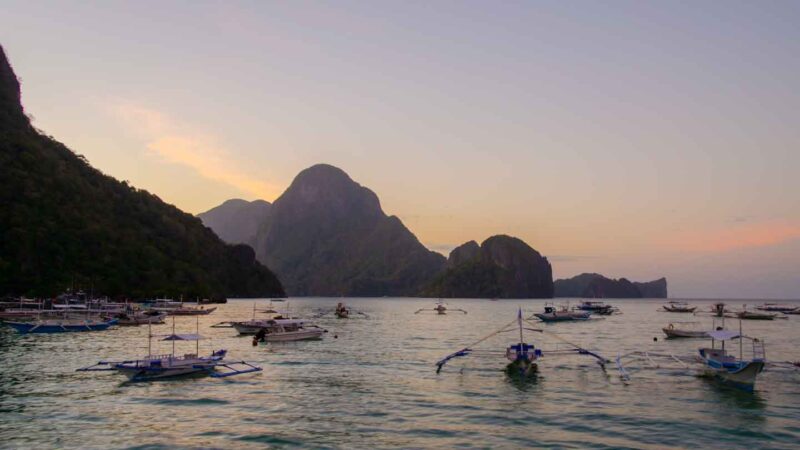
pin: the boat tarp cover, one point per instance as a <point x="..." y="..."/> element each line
<point x="723" y="335"/>
<point x="182" y="337"/>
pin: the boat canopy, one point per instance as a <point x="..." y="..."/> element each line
<point x="182" y="337"/>
<point x="723" y="335"/>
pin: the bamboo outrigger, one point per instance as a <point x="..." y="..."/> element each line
<point x="523" y="356"/>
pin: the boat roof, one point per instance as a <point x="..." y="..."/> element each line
<point x="723" y="335"/>
<point x="182" y="337"/>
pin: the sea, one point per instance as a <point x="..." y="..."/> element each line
<point x="371" y="382"/>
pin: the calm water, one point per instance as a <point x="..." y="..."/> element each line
<point x="372" y="383"/>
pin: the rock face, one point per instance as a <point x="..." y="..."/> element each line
<point x="326" y="235"/>
<point x="594" y="285"/>
<point x="64" y="223"/>
<point x="653" y="289"/>
<point x="237" y="221"/>
<point x="502" y="267"/>
<point x="463" y="253"/>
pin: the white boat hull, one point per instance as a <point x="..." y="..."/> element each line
<point x="676" y="333"/>
<point x="302" y="335"/>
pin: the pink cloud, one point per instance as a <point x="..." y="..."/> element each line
<point x="735" y="237"/>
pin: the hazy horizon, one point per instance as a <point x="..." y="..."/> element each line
<point x="632" y="139"/>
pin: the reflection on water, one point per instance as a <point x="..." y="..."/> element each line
<point x="375" y="386"/>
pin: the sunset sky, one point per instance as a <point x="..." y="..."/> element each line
<point x="637" y="139"/>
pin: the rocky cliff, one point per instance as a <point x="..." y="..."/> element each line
<point x="502" y="267"/>
<point x="327" y="235"/>
<point x="64" y="223"/>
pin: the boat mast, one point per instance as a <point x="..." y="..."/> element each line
<point x="173" y="332"/>
<point x="519" y="321"/>
<point x="741" y="354"/>
<point x="197" y="332"/>
<point x="149" y="337"/>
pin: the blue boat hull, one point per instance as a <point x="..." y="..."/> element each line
<point x="25" y="328"/>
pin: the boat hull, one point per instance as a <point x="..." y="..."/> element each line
<point x="742" y="378"/>
<point x="568" y="317"/>
<point x="169" y="367"/>
<point x="675" y="333"/>
<point x="32" y="327"/>
<point x="290" y="336"/>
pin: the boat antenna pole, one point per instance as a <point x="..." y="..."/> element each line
<point x="741" y="353"/>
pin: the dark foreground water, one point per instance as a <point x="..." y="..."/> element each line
<point x="374" y="386"/>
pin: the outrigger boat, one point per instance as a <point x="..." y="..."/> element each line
<point x="523" y="357"/>
<point x="66" y="322"/>
<point x="562" y="314"/>
<point x="713" y="362"/>
<point x="155" y="367"/>
<point x="675" y="306"/>
<point x="599" y="308"/>
<point x="756" y="315"/>
<point x="776" y="307"/>
<point x="440" y="308"/>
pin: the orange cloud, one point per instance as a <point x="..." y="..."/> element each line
<point x="735" y="237"/>
<point x="198" y="151"/>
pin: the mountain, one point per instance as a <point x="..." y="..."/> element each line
<point x="503" y="267"/>
<point x="594" y="285"/>
<point x="64" y="223"/>
<point x="653" y="289"/>
<point x="327" y="235"/>
<point x="236" y="221"/>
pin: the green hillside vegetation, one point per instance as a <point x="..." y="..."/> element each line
<point x="64" y="223"/>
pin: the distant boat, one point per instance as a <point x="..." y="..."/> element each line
<point x="678" y="307"/>
<point x="597" y="307"/>
<point x="173" y="308"/>
<point x="440" y="308"/>
<point x="138" y="317"/>
<point x="775" y="307"/>
<point x="562" y="314"/>
<point x="684" y="330"/>
<point x="281" y="330"/>
<point x="754" y="315"/>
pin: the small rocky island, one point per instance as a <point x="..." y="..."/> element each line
<point x="501" y="267"/>
<point x="594" y="285"/>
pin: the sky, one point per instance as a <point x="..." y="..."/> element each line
<point x="634" y="139"/>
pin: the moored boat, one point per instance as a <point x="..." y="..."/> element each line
<point x="61" y="325"/>
<point x="156" y="367"/>
<point x="684" y="330"/>
<point x="776" y="307"/>
<point x="181" y="309"/>
<point x="563" y="314"/>
<point x="139" y="317"/>
<point x="678" y="307"/>
<point x="282" y="330"/>
<point x="725" y="367"/>
<point x="440" y="308"/>
<point x="597" y="307"/>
